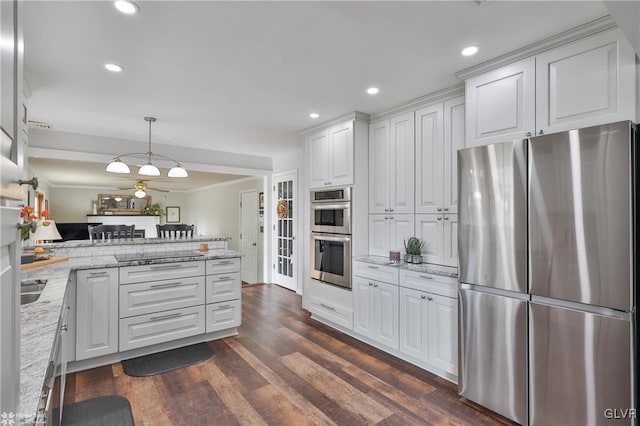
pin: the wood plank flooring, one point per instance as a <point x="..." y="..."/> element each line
<point x="285" y="369"/>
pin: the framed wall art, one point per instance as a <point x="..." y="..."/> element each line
<point x="173" y="214"/>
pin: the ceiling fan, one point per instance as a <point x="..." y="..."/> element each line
<point x="141" y="187"/>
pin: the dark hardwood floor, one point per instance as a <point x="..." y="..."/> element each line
<point x="285" y="369"/>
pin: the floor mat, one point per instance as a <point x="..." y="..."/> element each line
<point x="162" y="362"/>
<point x="101" y="411"/>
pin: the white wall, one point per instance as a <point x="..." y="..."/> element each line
<point x="216" y="210"/>
<point x="74" y="204"/>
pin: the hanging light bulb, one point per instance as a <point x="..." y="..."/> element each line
<point x="149" y="170"/>
<point x="117" y="166"/>
<point x="178" y="171"/>
<point x="140" y="193"/>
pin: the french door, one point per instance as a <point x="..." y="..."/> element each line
<point x="285" y="249"/>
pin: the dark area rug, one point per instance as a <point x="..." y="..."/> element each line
<point x="101" y="411"/>
<point x="162" y="362"/>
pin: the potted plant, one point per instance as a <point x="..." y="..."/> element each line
<point x="413" y="248"/>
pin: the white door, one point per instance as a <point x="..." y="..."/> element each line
<point x="379" y="167"/>
<point x="401" y="228"/>
<point x="379" y="234"/>
<point x="429" y="144"/>
<point x="285" y="249"/>
<point x="443" y="332"/>
<point x="363" y="306"/>
<point x="11" y="166"/>
<point x="429" y="230"/>
<point x="454" y="137"/>
<point x="249" y="235"/>
<point x="450" y="240"/>
<point x="402" y="158"/>
<point x="341" y="154"/>
<point x="413" y="323"/>
<point x="318" y="159"/>
<point x="386" y="313"/>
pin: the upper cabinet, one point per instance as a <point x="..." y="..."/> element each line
<point x="330" y="156"/>
<point x="391" y="165"/>
<point x="583" y="83"/>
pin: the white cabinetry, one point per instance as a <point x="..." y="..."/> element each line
<point x="587" y="82"/>
<point x="223" y="294"/>
<point x="429" y="320"/>
<point x="388" y="232"/>
<point x="330" y="156"/>
<point x="376" y="311"/>
<point x="440" y="235"/>
<point x="96" y="313"/>
<point x="391" y="165"/>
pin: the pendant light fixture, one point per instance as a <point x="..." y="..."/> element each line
<point x="149" y="169"/>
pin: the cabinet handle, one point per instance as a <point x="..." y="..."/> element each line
<point x="446" y="218"/>
<point x="386" y="217"/>
<point x="446" y="209"/>
<point x="33" y="182"/>
<point x="390" y="217"/>
<point x="223" y="307"/>
<point x="370" y="284"/>
<point x="386" y="210"/>
<point x="176" y="284"/>
<point x="223" y="278"/>
<point x="439" y="218"/>
<point x="161" y="317"/>
<point x="439" y="209"/>
<point x="429" y="298"/>
<point x="426" y="277"/>
<point x="170" y="266"/>
<point x="528" y="134"/>
<point x="98" y="274"/>
<point x="224" y="262"/>
<point x="372" y="267"/>
<point x="390" y="210"/>
<point x="375" y="285"/>
<point x="541" y="132"/>
<point x="64" y="327"/>
<point x="331" y="308"/>
<point x="423" y="297"/>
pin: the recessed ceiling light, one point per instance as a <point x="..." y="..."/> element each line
<point x="113" y="67"/>
<point x="126" y="7"/>
<point x="314" y="115"/>
<point x="468" y="51"/>
<point x="373" y="90"/>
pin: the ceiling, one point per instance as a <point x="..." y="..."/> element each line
<point x="243" y="77"/>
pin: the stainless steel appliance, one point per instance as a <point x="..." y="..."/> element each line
<point x="556" y="345"/>
<point x="331" y="211"/>
<point x="331" y="236"/>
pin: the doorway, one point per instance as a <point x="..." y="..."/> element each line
<point x="249" y="235"/>
<point x="285" y="250"/>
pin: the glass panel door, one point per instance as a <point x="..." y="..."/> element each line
<point x="284" y="227"/>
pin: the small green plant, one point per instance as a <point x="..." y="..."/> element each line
<point x="414" y="246"/>
<point x="156" y="209"/>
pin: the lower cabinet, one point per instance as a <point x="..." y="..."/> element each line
<point x="160" y="327"/>
<point x="376" y="311"/>
<point x="96" y="313"/>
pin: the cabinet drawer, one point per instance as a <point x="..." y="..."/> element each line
<point x="156" y="296"/>
<point x="223" y="287"/>
<point x="222" y="266"/>
<point x="223" y="315"/>
<point x="331" y="312"/>
<point x="161" y="271"/>
<point x="385" y="274"/>
<point x="436" y="284"/>
<point x="151" y="329"/>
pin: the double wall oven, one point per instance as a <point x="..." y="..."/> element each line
<point x="331" y="236"/>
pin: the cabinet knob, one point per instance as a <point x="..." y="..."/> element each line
<point x="540" y="132"/>
<point x="370" y="284"/>
<point x="386" y="217"/>
<point x="33" y="182"/>
<point x="439" y="218"/>
<point x="439" y="209"/>
<point x="375" y="285"/>
<point x="446" y="209"/>
<point x="429" y="298"/>
<point x="446" y="218"/>
<point x="528" y="134"/>
<point x="390" y="210"/>
<point x="390" y="217"/>
<point x="386" y="210"/>
<point x="423" y="297"/>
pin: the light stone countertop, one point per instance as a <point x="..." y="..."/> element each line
<point x="425" y="268"/>
<point x="39" y="319"/>
<point x="131" y="241"/>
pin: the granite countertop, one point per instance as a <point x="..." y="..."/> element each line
<point x="132" y="241"/>
<point x="39" y="319"/>
<point x="426" y="268"/>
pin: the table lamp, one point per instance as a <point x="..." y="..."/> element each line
<point x="46" y="231"/>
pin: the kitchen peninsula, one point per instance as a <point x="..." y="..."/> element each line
<point x="122" y="299"/>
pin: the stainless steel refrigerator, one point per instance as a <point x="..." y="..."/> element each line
<point x="547" y="277"/>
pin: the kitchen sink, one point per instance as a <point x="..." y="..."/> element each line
<point x="30" y="290"/>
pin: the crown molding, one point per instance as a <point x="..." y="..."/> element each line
<point x="352" y="116"/>
<point x="431" y="98"/>
<point x="598" y="25"/>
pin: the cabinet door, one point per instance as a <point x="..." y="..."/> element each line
<point x="97" y="313"/>
<point x="386" y="314"/>
<point x="402" y="158"/>
<point x="413" y="324"/>
<point x="223" y="287"/>
<point x="454" y="137"/>
<point x="501" y="104"/>
<point x="379" y="235"/>
<point x="341" y="154"/>
<point x="443" y="333"/>
<point x="428" y="163"/>
<point x="450" y="240"/>
<point x="363" y="301"/>
<point x="318" y="159"/>
<point x="402" y="227"/>
<point x="585" y="83"/>
<point x="429" y="229"/>
<point x="223" y="315"/>
<point x="379" y="167"/>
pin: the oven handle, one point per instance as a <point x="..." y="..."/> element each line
<point x="334" y="206"/>
<point x="331" y="237"/>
